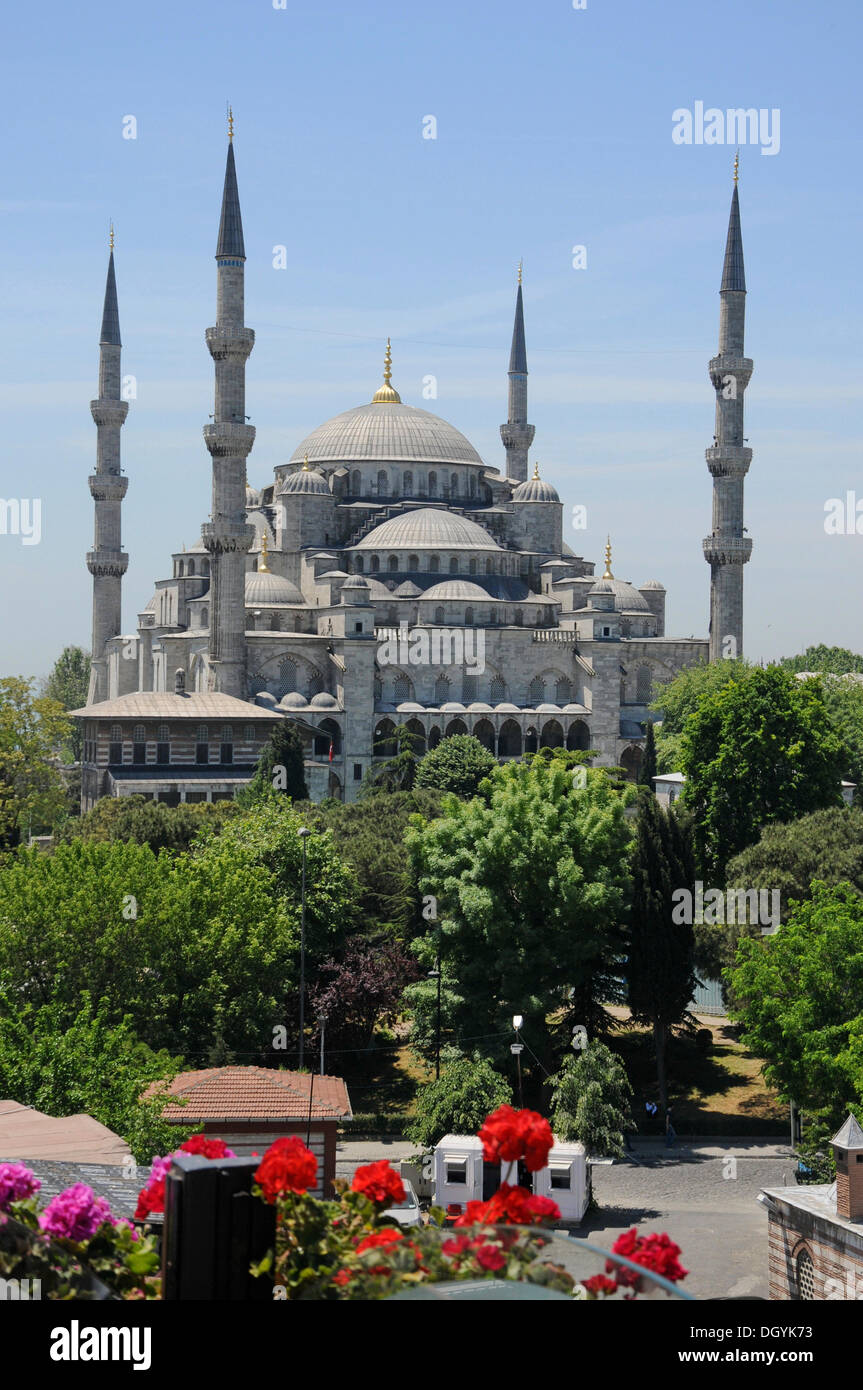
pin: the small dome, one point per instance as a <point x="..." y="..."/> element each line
<point x="265" y="698"/>
<point x="263" y="587"/>
<point x="356" y="581"/>
<point x="409" y="707"/>
<point x="408" y="590"/>
<point x="535" y="489"/>
<point x="294" y="701"/>
<point x="653" y="584"/>
<point x="323" y="700"/>
<point x="334" y="574"/>
<point x="306" y="479"/>
<point x="253" y="496"/>
<point x="546" y="708"/>
<point x="480" y="706"/>
<point x="453" y="706"/>
<point x="506" y="708"/>
<point x="456" y="589"/>
<point x="626" y="598"/>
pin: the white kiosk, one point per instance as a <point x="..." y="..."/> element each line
<point x="461" y="1176"/>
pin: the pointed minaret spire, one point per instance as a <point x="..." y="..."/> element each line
<point x="227" y="536"/>
<point x="728" y="548"/>
<point x="517" y="434"/>
<point x="107" y="561"/>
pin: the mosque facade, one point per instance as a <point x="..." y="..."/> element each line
<point x="387" y="577"/>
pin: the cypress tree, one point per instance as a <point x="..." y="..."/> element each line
<point x="280" y="766"/>
<point x="648" y="762"/>
<point x="661" y="973"/>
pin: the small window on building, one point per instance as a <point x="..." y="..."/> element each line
<point x="139" y="744"/>
<point x="202" y="745"/>
<point x="115" y="748"/>
<point x="163" y="744"/>
<point x="805" y="1277"/>
<point x="249" y="733"/>
<point x="358" y="627"/>
<point x="453" y="565"/>
<point x="456" y="1172"/>
<point x="561" y="1176"/>
<point x="226" y="752"/>
<point x="358" y="772"/>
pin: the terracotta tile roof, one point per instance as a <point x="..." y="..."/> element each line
<point x="255" y="1093"/>
<point x="26" y="1133"/>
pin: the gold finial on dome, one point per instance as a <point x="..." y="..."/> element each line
<point x="306" y="464"/>
<point x="387" y="394"/>
<point x="736" y="163"/>
<point x="535" y="471"/>
<point x="608" y="574"/>
<point x="263" y="563"/>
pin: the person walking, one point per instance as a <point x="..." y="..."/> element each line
<point x="670" y="1134"/>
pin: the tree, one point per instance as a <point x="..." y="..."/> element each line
<point x="458" y="765"/>
<point x="467" y="1091"/>
<point x="591" y="1099"/>
<point x="648" y="762"/>
<point x="145" y="822"/>
<point x="530" y="883"/>
<point x="836" y="660"/>
<point x="361" y="990"/>
<point x="68" y="684"/>
<point x="86" y="1064"/>
<point x="759" y="750"/>
<point x="280" y="767"/>
<point x="843" y="700"/>
<point x="660" y="971"/>
<point x="681" y="697"/>
<point x="33" y="729"/>
<point x="799" y="999"/>
<point x="398" y="773"/>
<point x="825" y="845"/>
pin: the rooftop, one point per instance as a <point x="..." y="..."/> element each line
<point x="256" y="1093"/>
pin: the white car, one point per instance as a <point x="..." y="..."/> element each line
<point x="407" y="1213"/>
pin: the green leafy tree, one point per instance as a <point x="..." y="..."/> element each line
<point x="398" y="773"/>
<point x="145" y="822"/>
<point x="759" y="750"/>
<point x="530" y="879"/>
<point x="843" y="700"/>
<point x="68" y="684"/>
<point x="660" y="971"/>
<point x="280" y="767"/>
<point x="825" y="845"/>
<point x="835" y="660"/>
<point x="87" y="1064"/>
<point x="33" y="730"/>
<point x="799" y="1000"/>
<point x="679" y="698"/>
<point x="458" y="765"/>
<point x="591" y="1101"/>
<point x="467" y="1091"/>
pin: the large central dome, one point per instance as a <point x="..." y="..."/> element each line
<point x="386" y="432"/>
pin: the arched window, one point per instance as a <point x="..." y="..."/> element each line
<point x="287" y="676"/>
<point x="413" y="563"/>
<point x="488" y="568"/>
<point x="497" y="690"/>
<point x="441" y="690"/>
<point x="536" y="690"/>
<point x="383" y="482"/>
<point x="115" y="751"/>
<point x="643" y="685"/>
<point x="519" y="618"/>
<point x="298" y="623"/>
<point x="804" y="1276"/>
<point x="163" y="745"/>
<point x="392" y="564"/>
<point x="275" y="622"/>
<point x="180" y="569"/>
<point x="205" y="567"/>
<point x="562" y="691"/>
<point x="358" y="564"/>
<point x="402" y="689"/>
<point x="432" y="484"/>
<point x="468" y="616"/>
<point x="509" y="740"/>
<point x="139" y="744"/>
<point x="578" y="737"/>
<point x="434" y="564"/>
<point x="484" y="731"/>
<point x="226" y="745"/>
<point x="356" y="483"/>
<point x="376" y="564"/>
<point x="191" y="569"/>
<point x="453" y="484"/>
<point x="316" y="684"/>
<point x="468" y="689"/>
<point x="453" y="564"/>
<point x="385" y="745"/>
<point x="439" y="616"/>
<point x="472" y="485"/>
<point x="408" y="483"/>
<point x="471" y="569"/>
<point x="202" y="744"/>
<point x="378" y="689"/>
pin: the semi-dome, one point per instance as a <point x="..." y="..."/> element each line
<point x="408" y="590"/>
<point x="535" y="489"/>
<point x="263" y="587"/>
<point x="385" y="432"/>
<point x="456" y="589"/>
<point x="429" y="528"/>
<point x="306" y="479"/>
<point x="653" y="584"/>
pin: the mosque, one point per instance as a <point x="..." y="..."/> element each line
<point x="386" y="577"/>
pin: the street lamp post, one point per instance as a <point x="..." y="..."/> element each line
<point x="517" y="1048"/>
<point x="322" y="1019"/>
<point x="303" y="833"/>
<point x="436" y="975"/>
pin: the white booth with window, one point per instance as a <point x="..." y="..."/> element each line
<point x="461" y="1176"/>
<point x="458" y="1170"/>
<point x="565" y="1180"/>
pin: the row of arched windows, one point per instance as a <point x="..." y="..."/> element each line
<point x="414" y="485"/>
<point x="559" y="691"/>
<point x="395" y="564"/>
<point x="510" y="741"/>
<point x="186" y="568"/>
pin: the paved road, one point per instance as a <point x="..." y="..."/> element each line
<point x="703" y="1194"/>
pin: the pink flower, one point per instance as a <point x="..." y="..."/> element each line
<point x="75" y="1214"/>
<point x="16" y="1183"/>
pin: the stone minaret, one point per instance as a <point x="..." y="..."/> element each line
<point x="227" y="537"/>
<point x="727" y="549"/>
<point x="107" y="561"/>
<point x="517" y="434"/>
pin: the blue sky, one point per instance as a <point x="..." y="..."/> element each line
<point x="554" y="129"/>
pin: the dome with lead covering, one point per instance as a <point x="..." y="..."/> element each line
<point x="428" y="528"/>
<point x="263" y="587"/>
<point x="385" y="432"/>
<point x="456" y="589"/>
<point x="626" y="598"/>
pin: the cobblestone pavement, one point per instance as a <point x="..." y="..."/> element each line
<point x="703" y="1193"/>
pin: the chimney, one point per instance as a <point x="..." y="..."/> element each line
<point x="180" y="681"/>
<point x="848" y="1149"/>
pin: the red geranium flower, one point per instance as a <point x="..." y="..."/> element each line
<point x="510" y="1206"/>
<point x="509" y="1135"/>
<point x="378" y="1238"/>
<point x="599" y="1284"/>
<point x="206" y="1148"/>
<point x="655" y="1252"/>
<point x="380" y="1183"/>
<point x="343" y="1277"/>
<point x="287" y="1166"/>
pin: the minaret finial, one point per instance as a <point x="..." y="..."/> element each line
<point x="111" y="237"/>
<point x="305" y="463"/>
<point x="387" y="394"/>
<point x="263" y="563"/>
<point x="230" y="122"/>
<point x="608" y="574"/>
<point x="520" y="269"/>
<point x="736" y="164"/>
<point x="536" y="469"/>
